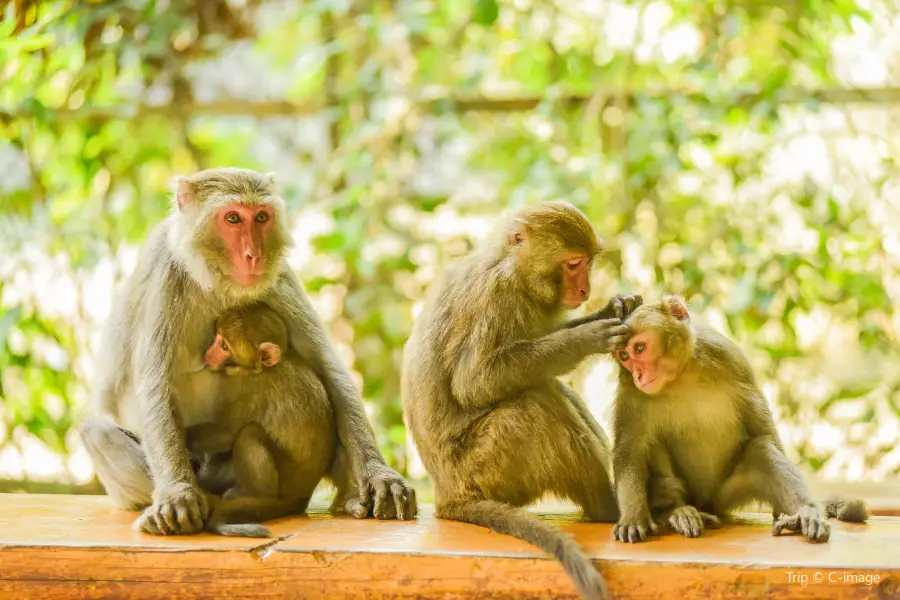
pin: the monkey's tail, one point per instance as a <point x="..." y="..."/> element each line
<point x="520" y="523"/>
<point x="234" y="516"/>
<point x="854" y="510"/>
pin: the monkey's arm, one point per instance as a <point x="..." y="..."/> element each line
<point x="631" y="469"/>
<point x="479" y="380"/>
<point x="178" y="505"/>
<point x="380" y="486"/>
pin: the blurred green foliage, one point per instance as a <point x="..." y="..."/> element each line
<point x="378" y="115"/>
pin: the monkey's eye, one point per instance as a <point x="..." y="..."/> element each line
<point x="573" y="263"/>
<point x="262" y="217"/>
<point x="224" y="344"/>
<point x="639" y="348"/>
<point x="623" y="355"/>
<point x="233" y="218"/>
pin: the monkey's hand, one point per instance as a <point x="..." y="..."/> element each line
<point x="633" y="530"/>
<point x="387" y="492"/>
<point x="620" y="306"/>
<point x="605" y="335"/>
<point x="809" y="521"/>
<point x="181" y="508"/>
<point x="690" y="522"/>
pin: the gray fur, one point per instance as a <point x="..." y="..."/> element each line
<point x="149" y="373"/>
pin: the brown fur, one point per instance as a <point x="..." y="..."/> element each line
<point x="703" y="445"/>
<point x="494" y="426"/>
<point x="150" y="379"/>
<point x="280" y="450"/>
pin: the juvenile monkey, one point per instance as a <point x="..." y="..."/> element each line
<point x="222" y="246"/>
<point x="694" y="438"/>
<point x="495" y="428"/>
<point x="275" y="469"/>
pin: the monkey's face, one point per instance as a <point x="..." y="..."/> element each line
<point x="650" y="367"/>
<point x="661" y="343"/>
<point x="218" y="353"/>
<point x="245" y="231"/>
<point x="576" y="284"/>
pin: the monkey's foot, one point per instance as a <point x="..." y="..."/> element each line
<point x="690" y="522"/>
<point x="177" y="510"/>
<point x="809" y="521"/>
<point x="634" y="530"/>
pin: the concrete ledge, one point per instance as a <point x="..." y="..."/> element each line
<point x="73" y="547"/>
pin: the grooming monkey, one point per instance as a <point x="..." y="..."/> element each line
<point x="222" y="246"/>
<point x="495" y="428"/>
<point x="275" y="470"/>
<point x="694" y="438"/>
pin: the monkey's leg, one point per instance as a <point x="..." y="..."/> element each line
<point x="119" y="462"/>
<point x="254" y="464"/>
<point x="668" y="499"/>
<point x="765" y="474"/>
<point x="210" y="438"/>
<point x="215" y="472"/>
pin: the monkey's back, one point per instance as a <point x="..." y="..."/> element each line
<point x="465" y="318"/>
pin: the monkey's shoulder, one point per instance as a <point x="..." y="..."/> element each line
<point x="718" y="357"/>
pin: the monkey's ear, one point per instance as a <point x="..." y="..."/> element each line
<point x="518" y="234"/>
<point x="186" y="193"/>
<point x="675" y="306"/>
<point x="270" y="354"/>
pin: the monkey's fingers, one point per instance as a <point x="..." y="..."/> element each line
<point x="785" y="522"/>
<point x="147" y="524"/>
<point x="818" y="530"/>
<point x="804" y="524"/>
<point x="381" y="494"/>
<point x="404" y="501"/>
<point x="618" y="307"/>
<point x="637" y="534"/>
<point x="629" y="304"/>
<point x="166" y="513"/>
<point x="686" y="521"/>
<point x="189" y="518"/>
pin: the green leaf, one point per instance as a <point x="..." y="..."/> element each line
<point x="485" y="12"/>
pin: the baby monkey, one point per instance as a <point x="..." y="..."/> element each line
<point x="694" y="438"/>
<point x="232" y="349"/>
<point x="276" y="424"/>
<point x="238" y="350"/>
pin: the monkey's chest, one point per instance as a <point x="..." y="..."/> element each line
<point x="703" y="443"/>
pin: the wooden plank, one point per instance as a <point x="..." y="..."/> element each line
<point x="55" y="547"/>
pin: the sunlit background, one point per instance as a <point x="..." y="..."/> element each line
<point x="741" y="153"/>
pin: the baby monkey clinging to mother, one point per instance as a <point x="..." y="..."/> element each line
<point x="694" y="438"/>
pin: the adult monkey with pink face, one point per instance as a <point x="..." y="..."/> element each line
<point x="694" y="438"/>
<point x="221" y="247"/>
